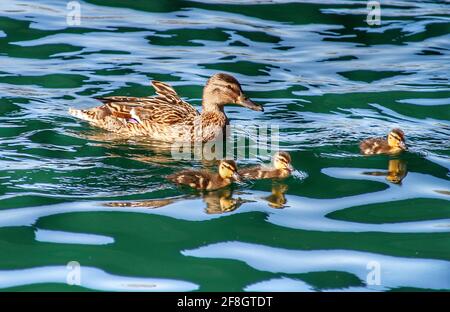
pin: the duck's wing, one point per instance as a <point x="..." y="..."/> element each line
<point x="165" y="108"/>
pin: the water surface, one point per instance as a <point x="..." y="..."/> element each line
<point x="69" y="192"/>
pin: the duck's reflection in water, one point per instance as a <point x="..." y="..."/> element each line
<point x="209" y="153"/>
<point x="397" y="171"/>
<point x="217" y="202"/>
<point x="151" y="203"/>
<point x="277" y="199"/>
<point x="222" y="201"/>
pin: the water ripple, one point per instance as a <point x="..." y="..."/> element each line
<point x="395" y="271"/>
<point x="91" y="278"/>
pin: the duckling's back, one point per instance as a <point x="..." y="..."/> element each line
<point x="374" y="146"/>
<point x="258" y="172"/>
<point x="194" y="179"/>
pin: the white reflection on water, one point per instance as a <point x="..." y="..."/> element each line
<point x="284" y="284"/>
<point x="91" y="278"/>
<point x="280" y="284"/>
<point x="426" y="102"/>
<point x="395" y="271"/>
<point x="301" y="212"/>
<point x="61" y="237"/>
<point x="309" y="213"/>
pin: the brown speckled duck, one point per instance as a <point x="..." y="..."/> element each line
<point x="166" y="117"/>
<point x="394" y="144"/>
<point x="203" y="180"/>
<point x="281" y="168"/>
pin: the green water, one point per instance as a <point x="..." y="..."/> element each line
<point x="326" y="79"/>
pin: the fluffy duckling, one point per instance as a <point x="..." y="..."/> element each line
<point x="203" y="180"/>
<point x="395" y="143"/>
<point x="281" y="168"/>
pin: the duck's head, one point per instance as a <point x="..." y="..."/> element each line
<point x="282" y="161"/>
<point x="228" y="170"/>
<point x="396" y="139"/>
<point x="222" y="89"/>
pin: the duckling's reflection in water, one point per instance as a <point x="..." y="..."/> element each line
<point x="397" y="171"/>
<point x="222" y="201"/>
<point x="277" y="199"/>
<point x="217" y="202"/>
<point x="151" y="203"/>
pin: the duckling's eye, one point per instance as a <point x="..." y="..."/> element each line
<point x="229" y="168"/>
<point x="230" y="88"/>
<point x="282" y="160"/>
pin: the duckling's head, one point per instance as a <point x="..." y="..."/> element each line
<point x="282" y="161"/>
<point x="228" y="170"/>
<point x="222" y="89"/>
<point x="396" y="139"/>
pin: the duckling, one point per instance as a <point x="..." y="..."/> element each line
<point x="203" y="180"/>
<point x="281" y="168"/>
<point x="395" y="143"/>
<point x="166" y="117"/>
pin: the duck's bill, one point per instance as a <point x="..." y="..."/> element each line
<point x="403" y="146"/>
<point x="237" y="177"/>
<point x="249" y="104"/>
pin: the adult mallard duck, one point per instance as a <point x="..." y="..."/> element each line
<point x="394" y="144"/>
<point x="166" y="117"/>
<point x="203" y="180"/>
<point x="281" y="168"/>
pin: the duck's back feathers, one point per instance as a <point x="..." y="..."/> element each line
<point x="166" y="101"/>
<point x="259" y="172"/>
<point x="165" y="90"/>
<point x="194" y="179"/>
<point x="374" y="146"/>
<point x="142" y="115"/>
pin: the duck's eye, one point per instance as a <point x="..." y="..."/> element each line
<point x="233" y="89"/>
